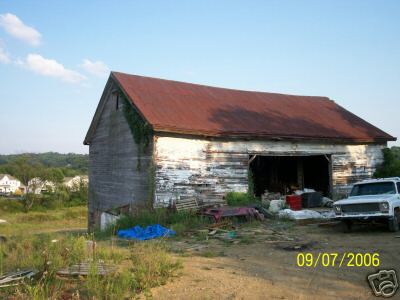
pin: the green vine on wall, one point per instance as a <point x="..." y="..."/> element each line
<point x="141" y="131"/>
<point x="151" y="181"/>
<point x="250" y="179"/>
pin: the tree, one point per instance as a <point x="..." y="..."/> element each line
<point x="391" y="163"/>
<point x="26" y="170"/>
<point x="54" y="175"/>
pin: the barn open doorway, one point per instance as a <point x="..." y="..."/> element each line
<point x="284" y="174"/>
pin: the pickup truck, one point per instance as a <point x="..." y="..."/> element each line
<point x="371" y="200"/>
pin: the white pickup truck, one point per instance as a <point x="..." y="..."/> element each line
<point x="371" y="200"/>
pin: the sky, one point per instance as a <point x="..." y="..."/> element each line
<point x="55" y="57"/>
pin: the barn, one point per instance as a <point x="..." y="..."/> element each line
<point x="154" y="142"/>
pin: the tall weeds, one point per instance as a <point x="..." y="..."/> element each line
<point x="139" y="267"/>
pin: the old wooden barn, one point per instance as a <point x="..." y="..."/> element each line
<point x="153" y="142"/>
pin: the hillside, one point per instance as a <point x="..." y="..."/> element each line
<point x="72" y="161"/>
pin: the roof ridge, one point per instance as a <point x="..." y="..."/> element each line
<point x="223" y="88"/>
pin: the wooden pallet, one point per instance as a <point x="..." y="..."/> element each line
<point x="187" y="204"/>
<point x="83" y="269"/>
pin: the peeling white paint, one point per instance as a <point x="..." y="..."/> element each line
<point x="208" y="169"/>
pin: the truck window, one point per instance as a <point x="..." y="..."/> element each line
<point x="375" y="188"/>
<point x="398" y="187"/>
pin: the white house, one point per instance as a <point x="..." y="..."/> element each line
<point x="10" y="184"/>
<point x="73" y="183"/>
<point x="37" y="185"/>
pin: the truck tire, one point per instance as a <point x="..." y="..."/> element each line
<point x="393" y="223"/>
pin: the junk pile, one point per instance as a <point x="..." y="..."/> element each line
<point x="301" y="205"/>
<point x="305" y="214"/>
<point x="219" y="213"/>
<point x="268" y="196"/>
<point x="311" y="198"/>
<point x="16" y="278"/>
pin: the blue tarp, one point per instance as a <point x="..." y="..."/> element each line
<point x="150" y="232"/>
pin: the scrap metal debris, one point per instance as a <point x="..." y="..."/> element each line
<point x="16" y="278"/>
<point x="219" y="213"/>
<point x="296" y="246"/>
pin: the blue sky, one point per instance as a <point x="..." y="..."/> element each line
<point x="55" y="55"/>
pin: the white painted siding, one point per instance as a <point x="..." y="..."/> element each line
<point x="207" y="169"/>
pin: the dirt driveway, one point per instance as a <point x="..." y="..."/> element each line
<point x="261" y="264"/>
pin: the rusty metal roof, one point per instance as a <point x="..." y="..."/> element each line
<point x="179" y="107"/>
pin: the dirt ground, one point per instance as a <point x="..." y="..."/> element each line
<point x="256" y="265"/>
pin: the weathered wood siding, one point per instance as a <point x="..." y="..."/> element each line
<point x="188" y="168"/>
<point x="207" y="169"/>
<point x="353" y="164"/>
<point x="114" y="179"/>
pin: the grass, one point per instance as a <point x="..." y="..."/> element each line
<point x="151" y="265"/>
<point x="246" y="240"/>
<point x="182" y="222"/>
<point x="240" y="199"/>
<point x="38" y="222"/>
<point x="44" y="240"/>
<point x="140" y="266"/>
<point x="10" y="206"/>
<point x="39" y="219"/>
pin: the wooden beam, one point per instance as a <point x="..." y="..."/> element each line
<point x="252" y="158"/>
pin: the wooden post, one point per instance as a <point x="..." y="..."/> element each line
<point x="300" y="172"/>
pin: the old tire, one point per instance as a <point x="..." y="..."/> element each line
<point x="393" y="223"/>
<point x="347" y="226"/>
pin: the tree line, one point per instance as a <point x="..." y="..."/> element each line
<point x="71" y="164"/>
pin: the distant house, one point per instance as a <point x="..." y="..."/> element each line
<point x="37" y="186"/>
<point x="73" y="183"/>
<point x="10" y="185"/>
<point x="155" y="141"/>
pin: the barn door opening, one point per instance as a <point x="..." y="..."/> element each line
<point x="284" y="174"/>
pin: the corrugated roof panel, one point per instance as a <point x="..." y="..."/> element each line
<point x="172" y="106"/>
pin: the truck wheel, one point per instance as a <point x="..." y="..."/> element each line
<point x="347" y="226"/>
<point x="394" y="223"/>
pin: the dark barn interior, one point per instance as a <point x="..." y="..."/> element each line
<point x="284" y="174"/>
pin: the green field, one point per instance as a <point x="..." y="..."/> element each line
<point x="33" y="222"/>
<point x="54" y="239"/>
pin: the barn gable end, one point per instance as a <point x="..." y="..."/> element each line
<point x="115" y="180"/>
